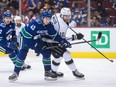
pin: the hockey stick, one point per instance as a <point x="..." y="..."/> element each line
<point x="93" y="47"/>
<point x="99" y="36"/>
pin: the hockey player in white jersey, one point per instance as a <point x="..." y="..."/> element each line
<point x="18" y="24"/>
<point x="61" y="23"/>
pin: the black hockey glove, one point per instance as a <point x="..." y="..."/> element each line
<point x="78" y="36"/>
<point x="57" y="51"/>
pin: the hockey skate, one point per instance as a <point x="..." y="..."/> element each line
<point x="50" y="76"/>
<point x="13" y="77"/>
<point x="59" y="74"/>
<point x="25" y="66"/>
<point x="77" y="74"/>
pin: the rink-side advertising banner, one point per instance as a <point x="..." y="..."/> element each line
<point x="106" y="44"/>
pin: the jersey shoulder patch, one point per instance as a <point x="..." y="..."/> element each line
<point x="38" y="21"/>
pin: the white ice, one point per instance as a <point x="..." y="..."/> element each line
<point x="98" y="73"/>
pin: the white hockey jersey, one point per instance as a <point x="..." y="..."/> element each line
<point x="18" y="29"/>
<point x="59" y="25"/>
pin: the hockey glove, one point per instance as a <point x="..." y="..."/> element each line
<point x="57" y="51"/>
<point x="12" y="45"/>
<point x="65" y="44"/>
<point x="78" y="36"/>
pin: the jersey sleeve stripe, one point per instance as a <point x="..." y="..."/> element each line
<point x="1" y="38"/>
<point x="25" y="33"/>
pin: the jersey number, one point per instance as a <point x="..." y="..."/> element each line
<point x="33" y="27"/>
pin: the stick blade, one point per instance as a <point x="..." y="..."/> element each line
<point x="99" y="35"/>
<point x="111" y="61"/>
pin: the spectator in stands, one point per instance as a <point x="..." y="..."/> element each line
<point x="55" y="10"/>
<point x="60" y="4"/>
<point x="32" y="4"/>
<point x="50" y="2"/>
<point x="3" y="4"/>
<point x="114" y="4"/>
<point x="78" y="19"/>
<point x="30" y="17"/>
<point x="64" y="2"/>
<point x="73" y="8"/>
<point x="39" y="14"/>
<point x="47" y="7"/>
<point x="24" y="6"/>
<point x="94" y="22"/>
<point x="97" y="14"/>
<point x="38" y="7"/>
<point x="13" y="4"/>
<point x="107" y="22"/>
<point x="112" y="1"/>
<point x="101" y="9"/>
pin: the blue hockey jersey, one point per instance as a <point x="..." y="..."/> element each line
<point x="37" y="28"/>
<point x="7" y="32"/>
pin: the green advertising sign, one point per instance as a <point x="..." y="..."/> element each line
<point x="104" y="42"/>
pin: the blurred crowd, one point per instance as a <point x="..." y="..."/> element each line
<point x="103" y="12"/>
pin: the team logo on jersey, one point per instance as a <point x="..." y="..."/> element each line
<point x="104" y="42"/>
<point x="42" y="32"/>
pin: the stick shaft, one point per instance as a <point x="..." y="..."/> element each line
<point x="93" y="47"/>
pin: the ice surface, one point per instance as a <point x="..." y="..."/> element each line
<point x="98" y="73"/>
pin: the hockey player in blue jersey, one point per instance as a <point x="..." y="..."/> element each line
<point x="32" y="36"/>
<point x="8" y="39"/>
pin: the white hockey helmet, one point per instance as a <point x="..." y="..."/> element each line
<point x="17" y="18"/>
<point x="65" y="11"/>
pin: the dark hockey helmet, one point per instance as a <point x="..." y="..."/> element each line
<point x="6" y="14"/>
<point x="46" y="14"/>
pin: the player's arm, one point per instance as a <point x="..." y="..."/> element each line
<point x="55" y="36"/>
<point x="28" y="33"/>
<point x="77" y="36"/>
<point x="3" y="41"/>
<point x="14" y="37"/>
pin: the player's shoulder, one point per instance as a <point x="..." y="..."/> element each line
<point x="12" y="23"/>
<point x="50" y="24"/>
<point x="23" y="24"/>
<point x="56" y="15"/>
<point x="2" y="24"/>
<point x="38" y="20"/>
